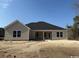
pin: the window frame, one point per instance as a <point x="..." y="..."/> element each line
<point x="14" y="34"/>
<point x="59" y="34"/>
<point x="17" y="33"/>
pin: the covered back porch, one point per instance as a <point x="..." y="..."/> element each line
<point x="42" y="35"/>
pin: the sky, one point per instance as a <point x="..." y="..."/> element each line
<point x="57" y="12"/>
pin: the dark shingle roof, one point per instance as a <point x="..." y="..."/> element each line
<point x="2" y="32"/>
<point x="43" y="26"/>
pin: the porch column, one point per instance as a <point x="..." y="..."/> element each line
<point x="43" y="35"/>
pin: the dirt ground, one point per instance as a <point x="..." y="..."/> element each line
<point x="39" y="49"/>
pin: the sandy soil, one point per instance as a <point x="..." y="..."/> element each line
<point x="39" y="49"/>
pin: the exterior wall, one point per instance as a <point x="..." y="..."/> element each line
<point x="32" y="35"/>
<point x="17" y="26"/>
<point x="54" y="35"/>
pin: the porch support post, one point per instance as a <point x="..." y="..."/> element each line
<point x="43" y="35"/>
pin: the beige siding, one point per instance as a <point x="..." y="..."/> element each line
<point x="54" y="35"/>
<point x="32" y="34"/>
<point x="16" y="26"/>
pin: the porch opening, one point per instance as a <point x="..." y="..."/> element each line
<point x="43" y="35"/>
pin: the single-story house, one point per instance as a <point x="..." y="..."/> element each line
<point x="32" y="31"/>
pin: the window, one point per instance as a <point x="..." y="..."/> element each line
<point x="59" y="34"/>
<point x="16" y="33"/>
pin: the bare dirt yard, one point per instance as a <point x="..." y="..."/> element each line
<point x="39" y="49"/>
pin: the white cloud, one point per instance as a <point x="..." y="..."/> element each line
<point x="5" y="3"/>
